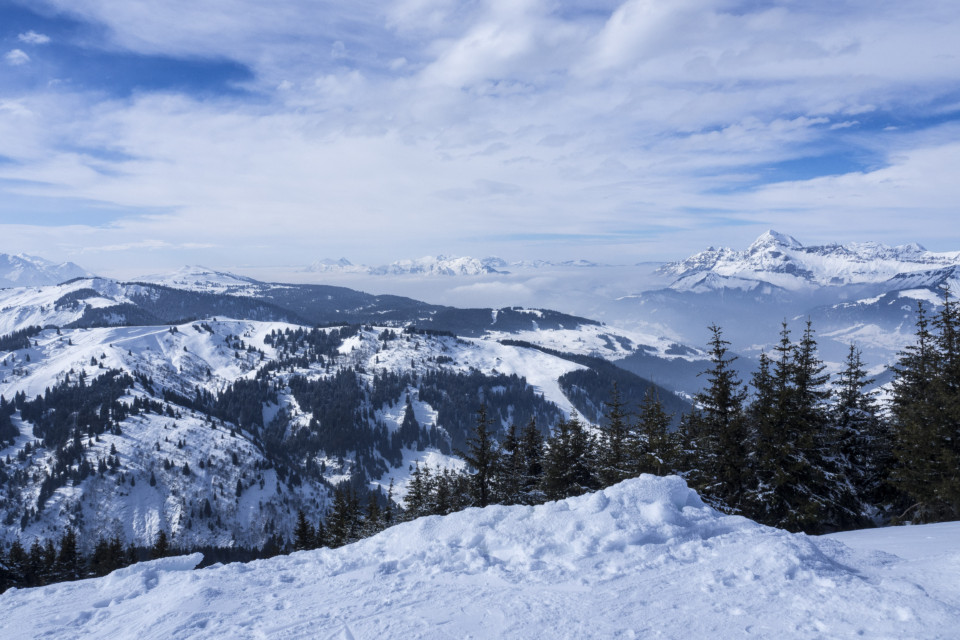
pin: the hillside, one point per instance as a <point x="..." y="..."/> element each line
<point x="644" y="558"/>
<point x="267" y="416"/>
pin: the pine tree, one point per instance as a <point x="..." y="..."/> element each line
<point x="925" y="418"/>
<point x="861" y="446"/>
<point x="654" y="448"/>
<point x="372" y="519"/>
<point x="717" y="432"/>
<point x="68" y="560"/>
<point x="418" y="493"/>
<point x="161" y="547"/>
<point x="481" y="456"/>
<point x="531" y="445"/>
<point x="409" y="429"/>
<point x="615" y="462"/>
<point x="569" y="465"/>
<point x="304" y="535"/>
<point x="511" y="472"/>
<point x="342" y="520"/>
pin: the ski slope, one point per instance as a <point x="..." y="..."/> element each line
<point x="643" y="559"/>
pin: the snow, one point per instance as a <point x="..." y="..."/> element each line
<point x="925" y="295"/>
<point x="783" y="261"/>
<point x="644" y="558"/>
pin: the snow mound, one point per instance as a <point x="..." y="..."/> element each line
<point x="645" y="558"/>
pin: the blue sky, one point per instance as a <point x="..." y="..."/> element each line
<point x="140" y="135"/>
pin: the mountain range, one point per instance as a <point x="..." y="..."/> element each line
<point x="860" y="293"/>
<point x="440" y="265"/>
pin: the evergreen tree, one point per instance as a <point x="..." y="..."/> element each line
<point x="409" y="429"/>
<point x="614" y="457"/>
<point x="654" y="447"/>
<point x="531" y="445"/>
<point x="68" y="560"/>
<point x="861" y="446"/>
<point x="481" y="456"/>
<point x="717" y="432"/>
<point x="923" y="411"/>
<point x="342" y="518"/>
<point x="418" y="493"/>
<point x="569" y="466"/>
<point x="304" y="535"/>
<point x="511" y="472"/>
<point x="161" y="547"/>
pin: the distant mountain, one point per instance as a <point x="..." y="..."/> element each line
<point x="441" y="265"/>
<point x="198" y="278"/>
<point x="328" y="265"/>
<point x="22" y="270"/>
<point x="782" y="261"/>
<point x="863" y="293"/>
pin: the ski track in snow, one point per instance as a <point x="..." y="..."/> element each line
<point x="642" y="559"/>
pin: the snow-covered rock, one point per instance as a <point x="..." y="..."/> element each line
<point x="645" y="558"/>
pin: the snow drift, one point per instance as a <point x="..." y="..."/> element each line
<point x="645" y="558"/>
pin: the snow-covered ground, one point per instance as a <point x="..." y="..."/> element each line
<point x="643" y="559"/>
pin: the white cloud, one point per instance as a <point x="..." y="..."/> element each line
<point x="32" y="37"/>
<point x="452" y="121"/>
<point x="16" y="57"/>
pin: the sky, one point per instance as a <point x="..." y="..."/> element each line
<point x="145" y="135"/>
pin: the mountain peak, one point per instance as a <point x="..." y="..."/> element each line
<point x="773" y="238"/>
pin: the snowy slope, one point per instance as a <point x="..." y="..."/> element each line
<point x="57" y="305"/>
<point x="22" y="270"/>
<point x="644" y="558"/>
<point x="127" y="504"/>
<point x="210" y="355"/>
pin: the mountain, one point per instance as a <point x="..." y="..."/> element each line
<point x="441" y="266"/>
<point x="858" y="293"/>
<point x="22" y="270"/>
<point x="136" y="407"/>
<point x="782" y="261"/>
<point x="645" y="558"/>
<point x="328" y="265"/>
<point x="198" y="278"/>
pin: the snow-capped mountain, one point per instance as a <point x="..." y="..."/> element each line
<point x="858" y="293"/>
<point x="21" y="270"/>
<point x="199" y="278"/>
<point x="442" y="265"/>
<point x="644" y="558"/>
<point x="342" y="265"/>
<point x="782" y="261"/>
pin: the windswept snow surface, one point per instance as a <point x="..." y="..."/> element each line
<point x="642" y="559"/>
